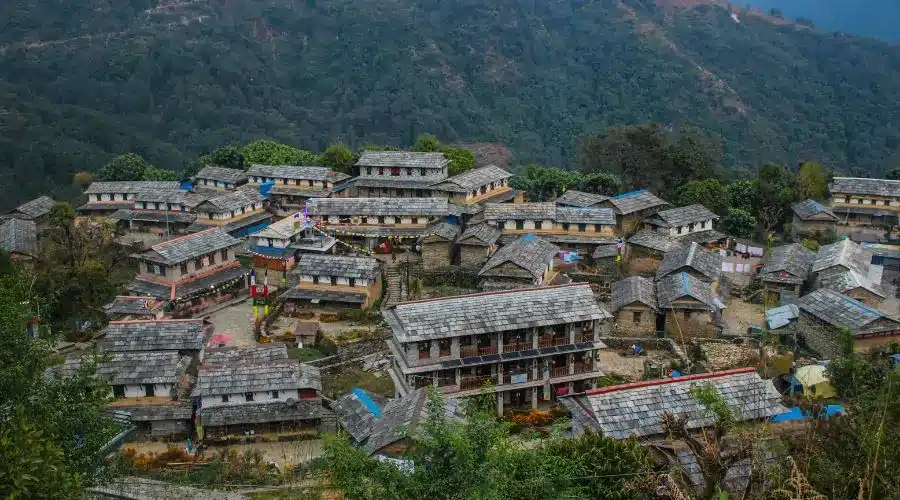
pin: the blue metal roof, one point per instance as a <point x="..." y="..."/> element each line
<point x="629" y="194"/>
<point x="366" y="400"/>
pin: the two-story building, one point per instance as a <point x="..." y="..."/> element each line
<point x="681" y="221"/>
<point x="372" y="221"/>
<point x="275" y="248"/>
<point x="480" y="185"/>
<point x="694" y="260"/>
<point x="691" y="306"/>
<point x="867" y="208"/>
<point x="238" y="213"/>
<point x="191" y="272"/>
<point x="580" y="199"/>
<point x="184" y="336"/>
<point x="526" y="262"/>
<point x="532" y="345"/>
<point x="212" y="178"/>
<point x="572" y="228"/>
<point x="811" y="219"/>
<point x="160" y="213"/>
<point x="784" y="272"/>
<point x="824" y="313"/>
<point x="256" y="393"/>
<point x="632" y="208"/>
<point x="398" y="174"/>
<point x="36" y="210"/>
<point x="104" y="198"/>
<point x="292" y="185"/>
<point x="334" y="280"/>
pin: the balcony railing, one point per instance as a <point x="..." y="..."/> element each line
<point x="468" y="352"/>
<point x="516" y="346"/>
<point x="445" y="382"/>
<point x="585" y="337"/>
<point x="583" y="368"/>
<point x="559" y="371"/>
<point x="520" y="376"/>
<point x="468" y="383"/>
<point x="553" y="342"/>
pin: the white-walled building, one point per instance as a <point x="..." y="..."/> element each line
<point x="681" y="221"/>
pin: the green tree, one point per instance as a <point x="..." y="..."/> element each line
<point x="599" y="183"/>
<point x="265" y="152"/>
<point x="339" y="158"/>
<point x="739" y="222"/>
<point x="635" y="153"/>
<point x="158" y="174"/>
<point x="127" y="167"/>
<point x="461" y="159"/>
<point x="427" y="144"/>
<point x="742" y="194"/>
<point x="707" y="192"/>
<point x="690" y="156"/>
<point x="545" y="184"/>
<point x="812" y="182"/>
<point x="893" y="174"/>
<point x="777" y="189"/>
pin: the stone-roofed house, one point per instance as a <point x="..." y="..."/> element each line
<point x="856" y="286"/>
<point x="574" y="228"/>
<point x="293" y="185"/>
<point x="219" y="178"/>
<point x="533" y="344"/>
<point x="276" y="247"/>
<point x="476" y="245"/>
<point x="149" y="386"/>
<point x="185" y="336"/>
<point x="843" y="256"/>
<point x="865" y="204"/>
<point x="632" y="208"/>
<point x="238" y="213"/>
<point x="636" y="409"/>
<point x="262" y="353"/>
<point x="479" y="185"/>
<point x="400" y="418"/>
<point x="690" y="306"/>
<point x="36" y="210"/>
<point x="438" y="245"/>
<point x="259" y="396"/>
<point x="334" y="280"/>
<point x="694" y="260"/>
<point x="159" y="213"/>
<point x="18" y="237"/>
<point x="127" y="307"/>
<point x="526" y="262"/>
<point x="580" y="199"/>
<point x="104" y="198"/>
<point x="357" y="413"/>
<point x="646" y="249"/>
<point x="194" y="271"/>
<point x="784" y="272"/>
<point x="399" y="174"/>
<point x="824" y="312"/>
<point x="811" y="219"/>
<point x="681" y="221"/>
<point x="634" y="307"/>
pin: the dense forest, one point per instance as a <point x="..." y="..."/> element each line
<point x="83" y="82"/>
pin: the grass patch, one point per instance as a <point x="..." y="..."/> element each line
<point x="335" y="384"/>
<point x="309" y="353"/>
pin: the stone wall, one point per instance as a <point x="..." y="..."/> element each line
<point x="820" y="337"/>
<point x="437" y="254"/>
<point x="626" y="326"/>
<point x="698" y="325"/>
<point x="471" y="256"/>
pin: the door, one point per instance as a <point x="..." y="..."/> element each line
<point x="149" y="390"/>
<point x="660" y="324"/>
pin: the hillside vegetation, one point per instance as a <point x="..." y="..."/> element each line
<point x="171" y="80"/>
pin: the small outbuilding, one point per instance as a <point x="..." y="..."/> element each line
<point x="634" y="306"/>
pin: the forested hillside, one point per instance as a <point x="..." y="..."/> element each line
<point x="170" y="80"/>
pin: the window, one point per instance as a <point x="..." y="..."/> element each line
<point x="212" y="259"/>
<point x="887" y="202"/>
<point x="395" y="172"/>
<point x="224" y="398"/>
<point x="315" y="280"/>
<point x="444" y="347"/>
<point x="415" y="220"/>
<point x="119" y="391"/>
<point x="381" y="219"/>
<point x="598" y="227"/>
<point x="160" y="269"/>
<point x="149" y="390"/>
<point x="636" y="317"/>
<point x="310" y="182"/>
<point x="679" y="229"/>
<point x="224" y="254"/>
<point x="418" y="193"/>
<point x="352" y="281"/>
<point x="184" y="269"/>
<point x="687" y="315"/>
<point x="424" y="350"/>
<point x="582" y="228"/>
<point x="248" y="396"/>
<point x="408" y="171"/>
<point x="859" y="201"/>
<point x="198" y="263"/>
<point x="520" y="224"/>
<point x="846" y="199"/>
<point x="380" y="170"/>
<point x="275" y="395"/>
<point x="538" y="224"/>
<point x="334" y="280"/>
<point x="422" y="172"/>
<point x="368" y="170"/>
<point x="565" y="226"/>
<point x="690" y="227"/>
<point x="307" y="393"/>
<point x="96" y="197"/>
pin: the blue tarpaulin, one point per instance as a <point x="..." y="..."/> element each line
<point x="795" y="413"/>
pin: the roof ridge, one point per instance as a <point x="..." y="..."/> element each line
<point x="165" y="243"/>
<point x="666" y="381"/>
<point x="498" y="292"/>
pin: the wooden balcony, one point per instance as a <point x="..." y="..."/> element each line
<point x="469" y="383"/>
<point x="468" y="352"/>
<point x="583" y="368"/>
<point x="558" y="341"/>
<point x="559" y="371"/>
<point x="445" y="382"/>
<point x="585" y="337"/>
<point x="516" y="346"/>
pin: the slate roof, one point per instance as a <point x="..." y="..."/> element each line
<point x="844" y="253"/>
<point x="153" y="335"/>
<point x="378" y="206"/>
<point x="257" y="354"/>
<point x="842" y="311"/>
<point x="139" y="488"/>
<point x="321" y="294"/>
<point x="635" y="201"/>
<point x="479" y="235"/>
<point x="478" y="177"/>
<point x="856" y="185"/>
<point x="170" y="410"/>
<point x="134" y="368"/>
<point x="493" y="312"/>
<point x="736" y="477"/>
<point x="403" y="182"/>
<point x="654" y="241"/>
<point x="636" y="409"/>
<point x="589" y="215"/>
<point x="681" y="216"/>
<point x="33" y="209"/>
<point x="297" y="172"/>
<point x="676" y="286"/>
<point x="230" y="201"/>
<point x="633" y="289"/>
<point x="221" y="174"/>
<point x="127" y="305"/>
<point x="259" y="413"/>
<point x="338" y="265"/>
<point x="694" y="257"/>
<point x="807" y="209"/>
<point x="605" y="251"/>
<point x="849" y="280"/>
<point x="400" y="417"/>
<point x="358" y="411"/>
<point x="575" y="198"/>
<point x="160" y="196"/>
<point x="187" y="288"/>
<point x="184" y="248"/>
<point x="19" y="236"/>
<point x="519" y="211"/>
<point x="401" y="159"/>
<point x="160" y="216"/>
<point x="128" y="187"/>
<point x="218" y="379"/>
<point x="442" y="230"/>
<point x="787" y="264"/>
<point x="530" y="252"/>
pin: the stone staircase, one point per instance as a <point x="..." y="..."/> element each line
<point x="396" y="286"/>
